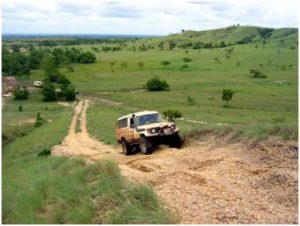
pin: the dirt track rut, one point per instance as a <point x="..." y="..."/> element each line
<point x="205" y="182"/>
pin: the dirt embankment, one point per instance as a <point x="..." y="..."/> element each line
<point x="205" y="182"/>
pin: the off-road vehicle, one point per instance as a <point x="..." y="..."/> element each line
<point x="146" y="130"/>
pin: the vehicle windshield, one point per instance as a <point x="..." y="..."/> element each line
<point x="147" y="119"/>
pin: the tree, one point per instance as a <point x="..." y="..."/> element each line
<point x="165" y="63"/>
<point x="50" y="70"/>
<point x="16" y="64"/>
<point x="140" y="64"/>
<point x="87" y="58"/>
<point x="227" y="95"/>
<point x="63" y="80"/>
<point x="35" y="58"/>
<point x="58" y="56"/>
<point x="48" y="91"/>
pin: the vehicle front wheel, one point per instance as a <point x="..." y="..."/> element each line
<point x="126" y="147"/>
<point x="146" y="146"/>
<point x="175" y="141"/>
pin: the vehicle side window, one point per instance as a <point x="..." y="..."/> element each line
<point x="122" y="123"/>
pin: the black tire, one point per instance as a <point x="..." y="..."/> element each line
<point x="126" y="147"/>
<point x="146" y="146"/>
<point x="175" y="141"/>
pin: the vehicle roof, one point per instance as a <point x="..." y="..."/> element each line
<point x="139" y="113"/>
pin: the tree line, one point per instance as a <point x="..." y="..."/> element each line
<point x="19" y="63"/>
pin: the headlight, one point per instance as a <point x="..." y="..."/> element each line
<point x="153" y="130"/>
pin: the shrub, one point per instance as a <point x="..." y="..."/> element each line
<point x="20" y="93"/>
<point x="191" y="100"/>
<point x="187" y="59"/>
<point x="172" y="114"/>
<point x="155" y="84"/>
<point x="283" y="67"/>
<point x="165" y="63"/>
<point x="45" y="152"/>
<point x="69" y="93"/>
<point x="70" y="68"/>
<point x="257" y="74"/>
<point x="39" y="121"/>
<point x="184" y="66"/>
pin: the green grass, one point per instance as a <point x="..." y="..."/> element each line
<point x="102" y="121"/>
<point x="255" y="102"/>
<point x="42" y="189"/>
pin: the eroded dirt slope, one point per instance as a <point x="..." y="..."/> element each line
<point x="205" y="182"/>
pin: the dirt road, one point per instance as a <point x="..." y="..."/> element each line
<point x="205" y="182"/>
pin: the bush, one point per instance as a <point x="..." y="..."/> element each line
<point x="187" y="59"/>
<point x="191" y="100"/>
<point x="39" y="121"/>
<point x="20" y="93"/>
<point x="257" y="73"/>
<point x="165" y="63"/>
<point x="20" y="108"/>
<point x="155" y="84"/>
<point x="69" y="93"/>
<point x="172" y="114"/>
<point x="184" y="66"/>
<point x="45" y="152"/>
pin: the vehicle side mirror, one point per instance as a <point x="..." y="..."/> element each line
<point x="131" y="123"/>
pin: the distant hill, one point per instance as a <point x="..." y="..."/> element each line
<point x="234" y="35"/>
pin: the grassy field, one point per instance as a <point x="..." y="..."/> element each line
<point x="259" y="107"/>
<point x="41" y="189"/>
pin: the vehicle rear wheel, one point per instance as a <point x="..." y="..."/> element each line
<point x="126" y="147"/>
<point x="146" y="146"/>
<point x="175" y="141"/>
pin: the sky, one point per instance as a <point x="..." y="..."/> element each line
<point x="155" y="17"/>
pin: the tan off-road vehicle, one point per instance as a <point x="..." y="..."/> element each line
<point x="146" y="130"/>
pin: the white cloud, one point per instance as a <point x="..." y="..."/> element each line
<point x="142" y="17"/>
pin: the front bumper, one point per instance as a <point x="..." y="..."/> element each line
<point x="162" y="138"/>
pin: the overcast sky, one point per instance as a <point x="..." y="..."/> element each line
<point x="157" y="17"/>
